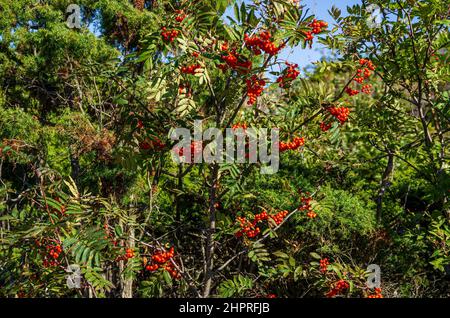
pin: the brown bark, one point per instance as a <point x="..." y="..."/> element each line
<point x="384" y="184"/>
<point x="127" y="283"/>
<point x="209" y="264"/>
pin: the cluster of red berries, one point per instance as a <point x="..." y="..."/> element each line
<point x="362" y="74"/>
<point x="325" y="126"/>
<point x="279" y="217"/>
<point x="350" y="91"/>
<point x="196" y="148"/>
<point x="152" y="268"/>
<point x="340" y="286"/>
<point x="317" y="27"/>
<point x="240" y="125"/>
<point x="169" y="35"/>
<point x="233" y="61"/>
<point x="296" y="143"/>
<point x="108" y="235"/>
<point x="309" y="36"/>
<point x="377" y="294"/>
<point x="368" y="64"/>
<point x="260" y="217"/>
<point x="261" y="42"/>
<point x="306" y="206"/>
<point x="340" y="113"/>
<point x="53" y="251"/>
<point x="311" y="214"/>
<point x="181" y="16"/>
<point x="367" y="89"/>
<point x="324" y="265"/>
<point x="162" y="259"/>
<point x="191" y="69"/>
<point x="289" y="74"/>
<point x="250" y="228"/>
<point x="155" y="144"/>
<point x="255" y="87"/>
<point x="129" y="253"/>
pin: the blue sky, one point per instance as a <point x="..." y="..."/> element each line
<point x="304" y="57"/>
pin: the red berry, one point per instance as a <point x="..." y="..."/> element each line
<point x="340" y="113"/>
<point x="261" y="42"/>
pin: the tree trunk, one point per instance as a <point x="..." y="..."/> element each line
<point x="209" y="266"/>
<point x="75" y="165"/>
<point x="178" y="196"/>
<point x="127" y="283"/>
<point x="384" y="184"/>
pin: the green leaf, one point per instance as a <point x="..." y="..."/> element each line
<point x="291" y="261"/>
<point x="167" y="278"/>
<point x="281" y="254"/>
<point x="84" y="257"/>
<point x="315" y="255"/>
<point x="118" y="230"/>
